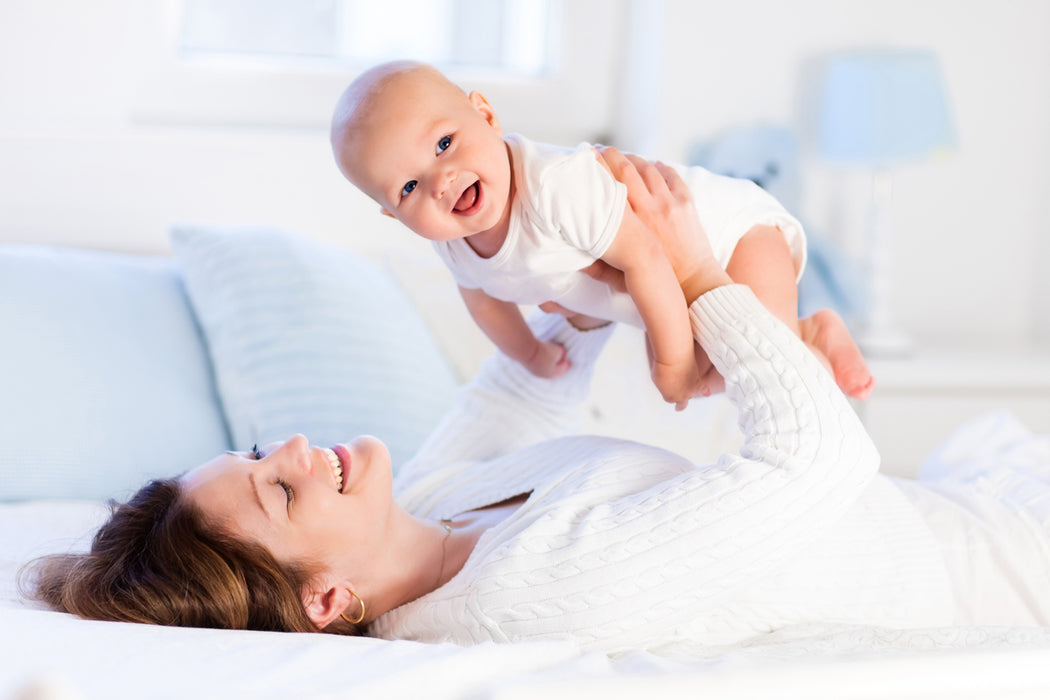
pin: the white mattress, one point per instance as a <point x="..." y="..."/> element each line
<point x="57" y="656"/>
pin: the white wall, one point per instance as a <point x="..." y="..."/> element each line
<point x="971" y="228"/>
<point x="76" y="168"/>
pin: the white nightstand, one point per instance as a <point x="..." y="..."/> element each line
<point x="921" y="399"/>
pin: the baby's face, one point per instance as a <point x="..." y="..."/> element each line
<point x="433" y="158"/>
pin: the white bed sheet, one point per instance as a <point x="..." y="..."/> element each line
<point x="52" y="655"/>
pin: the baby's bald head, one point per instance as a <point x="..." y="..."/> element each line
<point x="397" y="85"/>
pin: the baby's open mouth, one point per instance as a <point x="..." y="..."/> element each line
<point x="468" y="199"/>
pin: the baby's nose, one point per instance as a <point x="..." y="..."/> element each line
<point x="443" y="181"/>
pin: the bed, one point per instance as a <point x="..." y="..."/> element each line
<point x="223" y="317"/>
<point x="58" y="656"/>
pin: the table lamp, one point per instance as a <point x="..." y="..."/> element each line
<point x="880" y="109"/>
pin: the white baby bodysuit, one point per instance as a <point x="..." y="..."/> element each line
<point x="566" y="212"/>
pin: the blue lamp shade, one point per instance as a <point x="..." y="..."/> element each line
<point x="883" y="107"/>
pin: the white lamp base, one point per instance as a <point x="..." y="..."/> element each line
<point x="879" y="336"/>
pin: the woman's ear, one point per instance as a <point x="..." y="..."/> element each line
<point x="478" y="102"/>
<point x="323" y="603"/>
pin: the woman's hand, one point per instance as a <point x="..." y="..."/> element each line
<point x="664" y="204"/>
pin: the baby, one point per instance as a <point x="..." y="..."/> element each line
<point x="516" y="222"/>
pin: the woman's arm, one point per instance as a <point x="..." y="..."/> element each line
<point x="672" y="554"/>
<point x="663" y="203"/>
<point x="698" y="539"/>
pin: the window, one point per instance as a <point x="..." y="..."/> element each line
<point x="501" y="36"/>
<point x="548" y="66"/>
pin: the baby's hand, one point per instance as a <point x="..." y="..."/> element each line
<point x="711" y="382"/>
<point x="549" y="361"/>
<point x="677" y="382"/>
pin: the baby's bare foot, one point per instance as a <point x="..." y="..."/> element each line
<point x="827" y="332"/>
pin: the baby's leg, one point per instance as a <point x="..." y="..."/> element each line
<point x="762" y="260"/>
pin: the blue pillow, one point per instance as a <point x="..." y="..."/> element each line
<point x="309" y="338"/>
<point x="105" y="379"/>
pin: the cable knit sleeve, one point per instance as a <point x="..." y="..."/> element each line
<point x="505" y="407"/>
<point x="636" y="566"/>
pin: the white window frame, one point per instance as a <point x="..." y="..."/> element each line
<point x="575" y="101"/>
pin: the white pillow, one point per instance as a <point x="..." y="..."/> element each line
<point x="105" y="380"/>
<point x="309" y="338"/>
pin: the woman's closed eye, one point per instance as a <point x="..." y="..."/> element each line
<point x="289" y="492"/>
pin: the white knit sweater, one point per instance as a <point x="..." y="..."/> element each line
<point x="627" y="546"/>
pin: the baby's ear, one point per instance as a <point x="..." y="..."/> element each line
<point x="385" y="212"/>
<point x="478" y="101"/>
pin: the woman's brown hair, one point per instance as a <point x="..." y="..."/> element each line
<point x="156" y="560"/>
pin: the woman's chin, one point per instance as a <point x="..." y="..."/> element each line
<point x="370" y="458"/>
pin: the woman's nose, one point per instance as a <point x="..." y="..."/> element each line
<point x="295" y="453"/>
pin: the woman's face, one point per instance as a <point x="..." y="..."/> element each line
<point x="291" y="498"/>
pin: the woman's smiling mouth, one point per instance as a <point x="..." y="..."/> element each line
<point x="336" y="466"/>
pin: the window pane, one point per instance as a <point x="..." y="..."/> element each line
<point x="481" y="22"/>
<point x="499" y="35"/>
<point x="374" y="32"/>
<point x="302" y="27"/>
<point x="528" y="39"/>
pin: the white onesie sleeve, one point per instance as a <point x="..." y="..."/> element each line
<point x="582" y="201"/>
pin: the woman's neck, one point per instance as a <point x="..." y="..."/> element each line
<point x="425" y="555"/>
<point x="410" y="565"/>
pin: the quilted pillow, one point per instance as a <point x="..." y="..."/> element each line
<point x="309" y="338"/>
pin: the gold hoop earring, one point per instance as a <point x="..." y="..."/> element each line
<point x="361" y="617"/>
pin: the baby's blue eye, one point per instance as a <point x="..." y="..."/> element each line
<point x="444" y="143"/>
<point x="409" y="186"/>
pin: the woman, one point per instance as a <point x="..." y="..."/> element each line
<point x="505" y="527"/>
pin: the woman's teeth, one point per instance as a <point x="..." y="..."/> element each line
<point x="337" y="467"/>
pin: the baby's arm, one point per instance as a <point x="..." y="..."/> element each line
<point x="653" y="287"/>
<point x="503" y="323"/>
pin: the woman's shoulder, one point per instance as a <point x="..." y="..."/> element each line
<point x="580" y="475"/>
<point x="566" y="466"/>
<point x="536" y="550"/>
